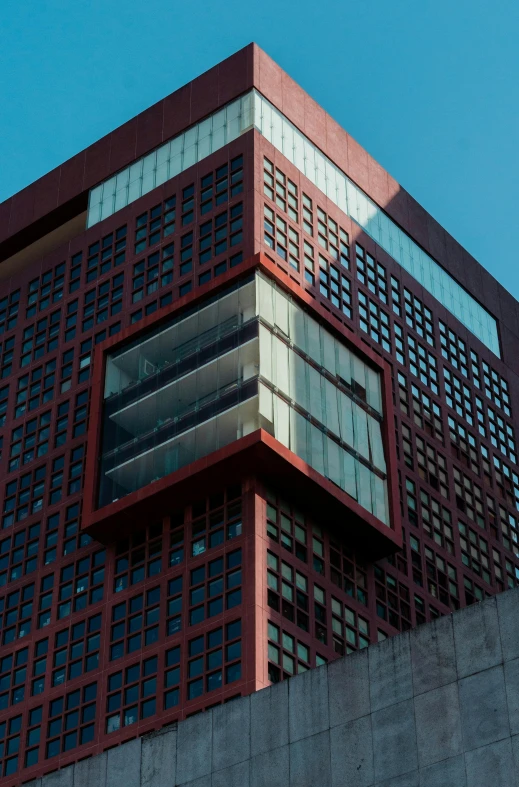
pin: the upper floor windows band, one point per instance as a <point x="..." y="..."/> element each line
<point x="253" y="110"/>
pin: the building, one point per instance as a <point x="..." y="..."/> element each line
<point x="257" y="411"/>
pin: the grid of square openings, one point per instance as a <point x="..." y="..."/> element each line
<point x="436" y="518"/>
<point x="138" y="557"/>
<point x="465" y="448"/>
<point x="348" y="572"/>
<point x="36" y="388"/>
<point x="484" y="377"/>
<point x="71" y="320"/>
<point x="284" y="239"/>
<point x="319" y="611"/>
<point x="420" y="407"/>
<point x="501" y="433"/>
<point x="473" y="592"/>
<point x="396" y="297"/>
<point x="29" y="441"/>
<point x="154" y="224"/>
<point x="374" y="321"/>
<point x="13" y="674"/>
<point x="6" y="356"/>
<point x="442" y="582"/>
<point x="33" y="736"/>
<point x="75" y="272"/>
<point x="289" y="526"/>
<point x="371" y="273"/>
<point x="392" y="600"/>
<point x="216" y="187"/>
<point x="458" y="396"/>
<point x="153" y="272"/>
<point x="174" y="606"/>
<point x="350" y="630"/>
<point x="281" y="237"/>
<point x="188" y="205"/>
<point x="215" y="586"/>
<point x="76" y="650"/>
<point x="10" y="744"/>
<point x="214" y="659"/>
<point x="108" y="252"/>
<point x="475" y="552"/>
<point x="505" y="524"/>
<point x="432" y="466"/>
<point x="308" y="215"/>
<point x="45" y="600"/>
<point x="19" y="554"/>
<point x="103" y="302"/>
<point x="9" y="305"/>
<point x="172" y="677"/>
<point x="17" y="608"/>
<point x="135" y="623"/>
<point x="46" y="289"/>
<point x="71" y="720"/>
<point x="75" y="474"/>
<point x="75" y="470"/>
<point x="286" y="654"/>
<point x="399" y="343"/>
<point x="4" y="400"/>
<point x="213" y="522"/>
<point x="40" y="338"/>
<point x="422" y="364"/>
<point x="72" y="539"/>
<point x="334" y="286"/>
<point x="24" y="496"/>
<point x="221" y="233"/>
<point x="132" y="694"/>
<point x="281" y="190"/>
<point x="495" y="386"/>
<point x="186" y="253"/>
<point x="39" y="666"/>
<point x="81" y="583"/>
<point x="454" y="350"/>
<point x="289" y="592"/>
<point x="418" y="317"/>
<point x="332" y="238"/>
<point x="286" y="525"/>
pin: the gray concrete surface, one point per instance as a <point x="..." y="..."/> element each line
<point x="436" y="707"/>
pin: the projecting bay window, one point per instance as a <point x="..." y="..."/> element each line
<point x="321" y="400"/>
<point x="250" y="358"/>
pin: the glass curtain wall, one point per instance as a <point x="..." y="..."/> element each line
<point x="320" y="399"/>
<point x="250" y="358"/>
<point x="180" y="393"/>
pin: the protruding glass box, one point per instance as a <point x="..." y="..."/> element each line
<point x="249" y="358"/>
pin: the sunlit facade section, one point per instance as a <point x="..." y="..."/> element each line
<point x="253" y="110"/>
<point x="324" y="174"/>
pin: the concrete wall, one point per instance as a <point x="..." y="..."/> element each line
<point x="432" y="708"/>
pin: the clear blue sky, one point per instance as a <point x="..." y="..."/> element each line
<point x="430" y="89"/>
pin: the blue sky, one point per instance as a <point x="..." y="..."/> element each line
<point x="428" y="88"/>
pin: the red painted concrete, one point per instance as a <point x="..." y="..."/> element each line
<point x="342" y="564"/>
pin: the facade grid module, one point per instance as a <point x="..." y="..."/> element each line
<point x="223" y="587"/>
